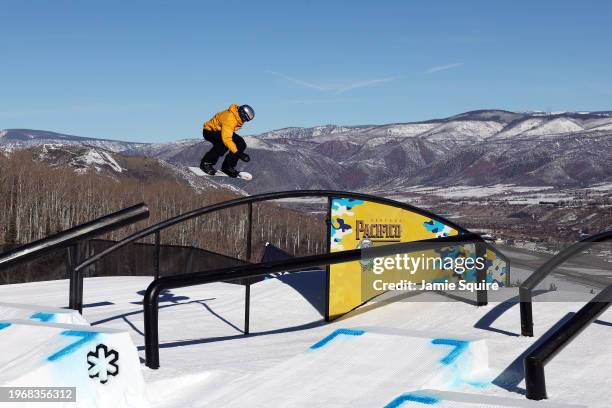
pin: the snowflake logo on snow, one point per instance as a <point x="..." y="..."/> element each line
<point x="102" y="363"/>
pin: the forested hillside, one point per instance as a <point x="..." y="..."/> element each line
<point x="37" y="200"/>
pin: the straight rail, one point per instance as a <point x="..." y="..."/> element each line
<point x="70" y="238"/>
<point x="535" y="361"/>
<point x="151" y="297"/>
<point x="526" y="289"/>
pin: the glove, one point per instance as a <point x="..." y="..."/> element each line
<point x="244" y="157"/>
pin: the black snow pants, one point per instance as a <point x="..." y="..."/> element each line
<point x="219" y="149"/>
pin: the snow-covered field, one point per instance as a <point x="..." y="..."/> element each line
<point x="483" y="191"/>
<point x="207" y="361"/>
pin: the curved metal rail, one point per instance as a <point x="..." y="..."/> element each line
<point x="155" y="229"/>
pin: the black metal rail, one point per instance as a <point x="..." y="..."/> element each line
<point x="536" y="360"/>
<point x="69" y="239"/>
<point x="249" y="201"/>
<point x="526" y="289"/>
<point x="157" y="228"/>
<point x="151" y="298"/>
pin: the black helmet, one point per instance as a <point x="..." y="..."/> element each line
<point x="246" y="113"/>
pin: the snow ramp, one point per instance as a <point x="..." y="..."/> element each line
<point x="9" y="311"/>
<point x="375" y="367"/>
<point x="444" y="399"/>
<point x="102" y="364"/>
<point x="363" y="367"/>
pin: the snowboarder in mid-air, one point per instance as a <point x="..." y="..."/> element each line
<point x="220" y="131"/>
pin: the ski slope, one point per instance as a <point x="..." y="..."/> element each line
<point x="291" y="358"/>
<point x="44" y="354"/>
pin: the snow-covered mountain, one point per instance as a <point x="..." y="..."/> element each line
<point x="304" y="133"/>
<point x="484" y="147"/>
<point x="118" y="166"/>
<point x="19" y="139"/>
<point x="473" y="148"/>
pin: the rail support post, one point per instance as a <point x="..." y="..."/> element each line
<point x="482" y="298"/>
<point x="151" y="315"/>
<point x="249" y="231"/>
<point x="157" y="254"/>
<point x="247" y="288"/>
<point x="75" y="301"/>
<point x="535" y="380"/>
<point x="526" y="312"/>
<point x="247" y="307"/>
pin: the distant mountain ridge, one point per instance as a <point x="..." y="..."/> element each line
<point x="18" y="139"/>
<point x="481" y="147"/>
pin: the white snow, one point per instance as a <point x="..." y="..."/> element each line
<point x="377" y="141"/>
<point x="410" y="129"/>
<point x="207" y="361"/>
<point x="37" y="140"/>
<point x="554" y="127"/>
<point x="601" y="187"/>
<point x="607" y="126"/>
<point x="260" y="144"/>
<point x="11" y="311"/>
<point x="114" y="165"/>
<point x="521" y="127"/>
<point x="323" y="130"/>
<point x="475" y="191"/>
<point x="280" y="133"/>
<point x="338" y="358"/>
<point x="464" y="128"/>
<point x="540" y="126"/>
<point x="304" y="133"/>
<point x="47" y="147"/>
<point x="42" y="354"/>
<point x="93" y="157"/>
<point x="536" y="198"/>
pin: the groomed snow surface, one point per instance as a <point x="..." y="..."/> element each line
<point x="384" y="354"/>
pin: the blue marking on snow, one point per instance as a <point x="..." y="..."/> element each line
<point x="479" y="384"/>
<point x="43" y="316"/>
<point x="334" y="334"/>
<point x="459" y="346"/>
<point x="4" y="325"/>
<point x="71" y="348"/>
<point x="418" y="398"/>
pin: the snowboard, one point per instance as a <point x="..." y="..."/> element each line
<point x="243" y="175"/>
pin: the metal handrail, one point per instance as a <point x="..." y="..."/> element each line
<point x="69" y="239"/>
<point x="73" y="235"/>
<point x="535" y="361"/>
<point x="525" y="290"/>
<point x="151" y="297"/>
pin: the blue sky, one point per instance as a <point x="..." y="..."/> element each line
<point x="154" y="71"/>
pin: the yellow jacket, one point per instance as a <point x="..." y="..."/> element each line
<point x="226" y="122"/>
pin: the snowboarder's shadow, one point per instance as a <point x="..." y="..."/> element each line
<point x="165" y="296"/>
